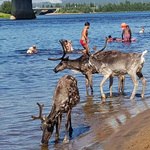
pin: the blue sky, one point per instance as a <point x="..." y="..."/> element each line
<point x="37" y="1"/>
<point x="52" y="1"/>
<point x="97" y="1"/>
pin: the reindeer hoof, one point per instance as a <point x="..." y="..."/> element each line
<point x="66" y="140"/>
<point x="131" y="98"/>
<point x="103" y="96"/>
<point x="142" y="95"/>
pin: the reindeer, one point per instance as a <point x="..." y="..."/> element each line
<point x="81" y="64"/>
<point x="66" y="96"/>
<point x="113" y="63"/>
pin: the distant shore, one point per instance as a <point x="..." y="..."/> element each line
<point x="3" y="15"/>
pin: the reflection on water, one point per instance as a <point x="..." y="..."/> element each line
<point x="27" y="79"/>
<point x="105" y="118"/>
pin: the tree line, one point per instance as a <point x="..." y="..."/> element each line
<point x="91" y="8"/>
<point x="88" y="8"/>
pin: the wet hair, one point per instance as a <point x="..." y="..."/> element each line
<point x="65" y="41"/>
<point x="109" y="36"/>
<point x="87" y="24"/>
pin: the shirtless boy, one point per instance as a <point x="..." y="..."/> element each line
<point x="126" y="34"/>
<point x="84" y="38"/>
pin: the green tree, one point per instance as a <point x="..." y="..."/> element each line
<point x="6" y="7"/>
<point x="58" y="5"/>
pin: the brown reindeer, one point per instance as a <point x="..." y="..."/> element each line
<point x="66" y="96"/>
<point x="81" y="64"/>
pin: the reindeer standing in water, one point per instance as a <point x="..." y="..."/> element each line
<point x="66" y="96"/>
<point x="81" y="64"/>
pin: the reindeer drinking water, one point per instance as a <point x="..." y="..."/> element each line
<point x="66" y="96"/>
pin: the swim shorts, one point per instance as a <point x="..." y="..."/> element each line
<point x="83" y="43"/>
<point x="127" y="38"/>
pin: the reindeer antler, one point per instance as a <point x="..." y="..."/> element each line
<point x="106" y="41"/>
<point x="40" y="112"/>
<point x="64" y="51"/>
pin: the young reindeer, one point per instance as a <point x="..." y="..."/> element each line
<point x="81" y="64"/>
<point x="66" y="96"/>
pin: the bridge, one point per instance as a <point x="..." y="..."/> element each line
<point x="22" y="9"/>
<point x="43" y="11"/>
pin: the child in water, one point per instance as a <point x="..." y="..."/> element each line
<point x="32" y="50"/>
<point x="69" y="47"/>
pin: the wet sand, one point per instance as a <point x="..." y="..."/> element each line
<point x="134" y="135"/>
<point x="108" y="132"/>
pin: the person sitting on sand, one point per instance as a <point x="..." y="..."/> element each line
<point x="69" y="47"/>
<point x="32" y="50"/>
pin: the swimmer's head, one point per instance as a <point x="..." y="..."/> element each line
<point x="34" y="46"/>
<point x="87" y="24"/>
<point x="109" y="36"/>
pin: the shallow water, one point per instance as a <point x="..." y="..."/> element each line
<point x="27" y="79"/>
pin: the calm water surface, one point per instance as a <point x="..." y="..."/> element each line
<point x="27" y="79"/>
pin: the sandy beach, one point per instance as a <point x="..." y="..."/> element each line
<point x="132" y="135"/>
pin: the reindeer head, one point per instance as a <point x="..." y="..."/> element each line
<point x="47" y="126"/>
<point x="62" y="65"/>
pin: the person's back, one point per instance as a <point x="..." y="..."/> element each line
<point x="69" y="47"/>
<point x="126" y="34"/>
<point x="32" y="50"/>
<point x="142" y="31"/>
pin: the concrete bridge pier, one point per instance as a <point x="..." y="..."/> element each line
<point x="22" y="9"/>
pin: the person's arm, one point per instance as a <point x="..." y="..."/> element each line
<point x="122" y="34"/>
<point x="130" y="34"/>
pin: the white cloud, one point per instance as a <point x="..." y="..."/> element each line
<point x="51" y="1"/>
<point x="1" y="1"/>
<point x="38" y="1"/>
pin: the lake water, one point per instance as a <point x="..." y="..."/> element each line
<point x="27" y="79"/>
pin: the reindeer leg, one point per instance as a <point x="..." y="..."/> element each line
<point x="57" y="137"/>
<point x="143" y="79"/>
<point x="106" y="76"/>
<point x="121" y="79"/>
<point x="123" y="83"/>
<point x="87" y="84"/>
<point x="90" y="82"/>
<point x="66" y="140"/>
<point x="136" y="83"/>
<point x="57" y="130"/>
<point x="110" y="84"/>
<point x="70" y="128"/>
<point x="119" y="83"/>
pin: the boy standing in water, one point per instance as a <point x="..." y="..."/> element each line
<point x="84" y="38"/>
